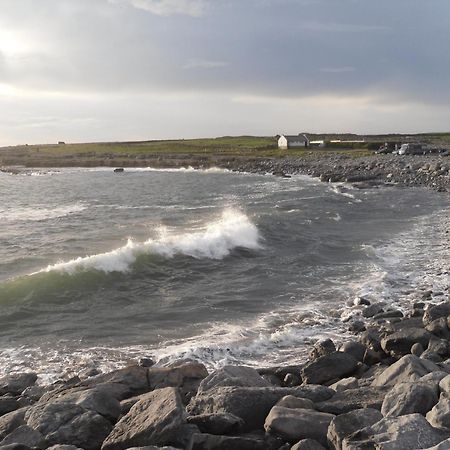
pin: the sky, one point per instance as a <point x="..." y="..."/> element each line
<point x="111" y="70"/>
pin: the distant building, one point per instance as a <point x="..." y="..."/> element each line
<point x="317" y="143"/>
<point x="297" y="141"/>
<point x="61" y="143"/>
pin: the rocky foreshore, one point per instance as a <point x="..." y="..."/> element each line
<point x="387" y="387"/>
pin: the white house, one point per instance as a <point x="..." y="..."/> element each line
<point x="286" y="141"/>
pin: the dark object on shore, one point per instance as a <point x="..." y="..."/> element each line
<point x="119" y="170"/>
<point x="281" y="173"/>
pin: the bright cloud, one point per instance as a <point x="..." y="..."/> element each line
<point x="194" y="8"/>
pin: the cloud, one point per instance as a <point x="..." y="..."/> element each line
<point x="193" y="8"/>
<point x="204" y="64"/>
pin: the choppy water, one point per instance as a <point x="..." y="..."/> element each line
<point x="98" y="268"/>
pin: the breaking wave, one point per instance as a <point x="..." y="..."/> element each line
<point x="215" y="241"/>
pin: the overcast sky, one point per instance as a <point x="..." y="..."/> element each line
<point x="93" y="70"/>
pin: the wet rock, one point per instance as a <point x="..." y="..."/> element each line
<point x="395" y="433"/>
<point x="289" y="401"/>
<point x="146" y="362"/>
<point x="233" y="376"/>
<point x="436" y="312"/>
<point x="323" y="347"/>
<point x="34" y="392"/>
<point x="15" y="384"/>
<point x="156" y="419"/>
<point x="329" y="367"/>
<point x="373" y="309"/>
<point x="221" y="424"/>
<point x="361" y="301"/>
<point x="344" y="384"/>
<point x="26" y="436"/>
<point x="439" y="416"/>
<point x="344" y="425"/>
<point x="295" y="424"/>
<point x="399" y="343"/>
<point x="307" y="444"/>
<point x="409" y="398"/>
<point x="357" y="326"/>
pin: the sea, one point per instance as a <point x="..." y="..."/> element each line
<point x="99" y="269"/>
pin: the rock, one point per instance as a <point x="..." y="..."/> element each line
<point x="155" y="419"/>
<point x="34" y="392"/>
<point x="323" y="347"/>
<point x="395" y="433"/>
<point x="295" y="424"/>
<point x="289" y="401"/>
<point x="389" y="314"/>
<point x="233" y="376"/>
<point x="399" y="343"/>
<point x="26" y="436"/>
<point x="344" y="425"/>
<point x="444" y="385"/>
<point x="417" y="349"/>
<point x="221" y="424"/>
<point x="15" y="384"/>
<point x="439" y="416"/>
<point x="357" y="326"/>
<point x="361" y="301"/>
<point x="329" y="367"/>
<point x="64" y="447"/>
<point x="439" y="346"/>
<point x="8" y="404"/>
<point x="248" y="442"/>
<point x="444" y="445"/>
<point x="373" y="309"/>
<point x="15" y="447"/>
<point x="292" y="380"/>
<point x="9" y="422"/>
<point x="344" y="384"/>
<point x="409" y="398"/>
<point x="436" y="312"/>
<point x="64" y="423"/>
<point x="371" y="339"/>
<point x="307" y="444"/>
<point x="408" y="368"/>
<point x="431" y="356"/>
<point x="355" y="349"/>
<point x="351" y="399"/>
<point x="146" y="362"/>
<point x="439" y="328"/>
<point x="433" y="378"/>
<point x="252" y="404"/>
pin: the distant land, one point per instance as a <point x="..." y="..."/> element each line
<point x="196" y="152"/>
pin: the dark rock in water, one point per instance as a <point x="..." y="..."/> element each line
<point x="15" y="384"/>
<point x="9" y="422"/>
<point x="323" y="347"/>
<point x="146" y="362"/>
<point x="410" y="398"/>
<point x="395" y="433"/>
<point x="436" y="312"/>
<point x="233" y="376"/>
<point x="217" y="423"/>
<point x="295" y="424"/>
<point x="8" y="404"/>
<point x="64" y="423"/>
<point x="417" y="349"/>
<point x="157" y="419"/>
<point x="399" y="343"/>
<point x="308" y="444"/>
<point x="119" y="170"/>
<point x="329" y="367"/>
<point x="245" y="442"/>
<point x="292" y="380"/>
<point x="252" y="404"/>
<point x="408" y="368"/>
<point x="361" y="301"/>
<point x="351" y="399"/>
<point x="26" y="436"/>
<point x="357" y="326"/>
<point x="389" y="314"/>
<point x="371" y="310"/>
<point x="346" y="424"/>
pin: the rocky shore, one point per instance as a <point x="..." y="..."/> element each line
<point x="387" y="387"/>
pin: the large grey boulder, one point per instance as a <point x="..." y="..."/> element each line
<point x="322" y="347"/>
<point x="444" y="385"/>
<point x="221" y="424"/>
<point x="15" y="384"/>
<point x="444" y="445"/>
<point x="8" y="404"/>
<point x="409" y="398"/>
<point x="9" y="422"/>
<point x="439" y="327"/>
<point x="436" y="312"/>
<point x="399" y="343"/>
<point x="439" y="416"/>
<point x="244" y="442"/>
<point x="307" y="444"/>
<point x="156" y="419"/>
<point x="355" y="349"/>
<point x="65" y="423"/>
<point x="295" y="424"/>
<point x="351" y="399"/>
<point x="289" y="401"/>
<point x="407" y="368"/>
<point x="233" y="376"/>
<point x="252" y="404"/>
<point x="26" y="436"/>
<point x="395" y="433"/>
<point x="344" y="384"/>
<point x="329" y="367"/>
<point x="344" y="425"/>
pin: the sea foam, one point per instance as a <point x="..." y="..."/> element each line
<point x="215" y="241"/>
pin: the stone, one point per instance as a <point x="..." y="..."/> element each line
<point x="295" y="424"/>
<point x="409" y="398"/>
<point x="444" y="385"/>
<point x="16" y="383"/>
<point x="355" y="349"/>
<point x="34" y="392"/>
<point x="292" y="380"/>
<point x="417" y="349"/>
<point x="344" y="384"/>
<point x="439" y="328"/>
<point x="399" y="343"/>
<point x="444" y="445"/>
<point x="357" y="326"/>
<point x="373" y="309"/>
<point x="146" y="362"/>
<point x="252" y="404"/>
<point x="308" y="444"/>
<point x="155" y="419"/>
<point x="329" y="367"/>
<point x="233" y="376"/>
<point x="361" y="301"/>
<point x="408" y="368"/>
<point x="289" y="401"/>
<point x="245" y="442"/>
<point x="439" y="346"/>
<point x="8" y="404"/>
<point x="64" y="447"/>
<point x="221" y="423"/>
<point x="371" y="339"/>
<point x="344" y="425"/>
<point x="439" y="416"/>
<point x="322" y="347"/>
<point x="351" y="399"/>
<point x="431" y="356"/>
<point x="433" y="378"/>
<point x="64" y="423"/>
<point x="9" y="422"/>
<point x="395" y="433"/>
<point x="26" y="436"/>
<point x="389" y="314"/>
<point x="436" y="312"/>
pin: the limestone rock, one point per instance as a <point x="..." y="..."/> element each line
<point x="329" y="367"/>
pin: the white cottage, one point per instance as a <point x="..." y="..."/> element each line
<point x="286" y="142"/>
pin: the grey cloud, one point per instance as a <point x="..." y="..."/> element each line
<point x="194" y="8"/>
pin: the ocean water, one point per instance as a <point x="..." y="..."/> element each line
<point x="98" y="269"/>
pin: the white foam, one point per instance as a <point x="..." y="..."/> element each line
<point x="215" y="241"/>
<point x="39" y="212"/>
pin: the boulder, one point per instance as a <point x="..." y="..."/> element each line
<point x="355" y="349"/>
<point x="244" y="442"/>
<point x="371" y="339"/>
<point x="417" y="349"/>
<point x="409" y="398"/>
<point x="322" y="347"/>
<point x="9" y="422"/>
<point x="221" y="424"/>
<point x="436" y="312"/>
<point x="439" y="346"/>
<point x="439" y="416"/>
<point x="8" y="404"/>
<point x="344" y="425"/>
<point x="408" y="368"/>
<point x="156" y="419"/>
<point x="16" y="383"/>
<point x="388" y="314"/>
<point x="64" y="447"/>
<point x="373" y="309"/>
<point x="444" y="385"/>
<point x="433" y="378"/>
<point x="395" y="433"/>
<point x="26" y="436"/>
<point x="399" y="343"/>
<point x="351" y="399"/>
<point x="233" y="376"/>
<point x="289" y="401"/>
<point x="252" y="404"/>
<point x="307" y="444"/>
<point x="65" y="423"/>
<point x="295" y="424"/>
<point x="344" y="384"/>
<point x="329" y="367"/>
<point x="444" y="445"/>
<point x="439" y="327"/>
